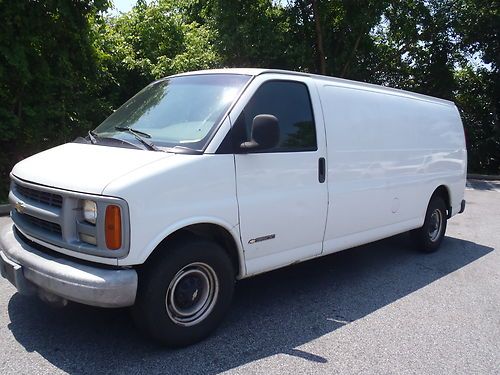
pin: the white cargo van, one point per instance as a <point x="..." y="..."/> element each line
<point x="208" y="177"/>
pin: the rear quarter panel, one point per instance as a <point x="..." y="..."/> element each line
<point x="387" y="153"/>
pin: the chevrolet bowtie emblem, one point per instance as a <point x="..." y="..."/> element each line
<point x="19" y="206"/>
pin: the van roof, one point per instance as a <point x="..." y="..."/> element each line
<point x="337" y="81"/>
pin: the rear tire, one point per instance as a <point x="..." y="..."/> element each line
<point x="428" y="238"/>
<point x="184" y="294"/>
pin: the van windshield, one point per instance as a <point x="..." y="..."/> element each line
<point x="179" y="111"/>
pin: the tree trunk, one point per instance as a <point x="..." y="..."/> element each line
<point x="351" y="55"/>
<point x="319" y="37"/>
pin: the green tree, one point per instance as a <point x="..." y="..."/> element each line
<point x="65" y="64"/>
<point x="478" y="25"/>
<point x="47" y="71"/>
<point x="153" y="40"/>
<point x="477" y="107"/>
<point x="251" y="33"/>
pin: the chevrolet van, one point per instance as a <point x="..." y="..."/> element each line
<point x="205" y="178"/>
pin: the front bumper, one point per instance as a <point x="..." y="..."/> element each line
<point x="34" y="272"/>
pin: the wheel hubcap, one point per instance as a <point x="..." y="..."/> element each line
<point x="192" y="294"/>
<point x="435" y="225"/>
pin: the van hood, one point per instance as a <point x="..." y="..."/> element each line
<point x="83" y="168"/>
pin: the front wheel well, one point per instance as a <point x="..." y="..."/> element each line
<point x="208" y="231"/>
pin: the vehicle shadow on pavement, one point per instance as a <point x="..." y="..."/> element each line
<point x="273" y="313"/>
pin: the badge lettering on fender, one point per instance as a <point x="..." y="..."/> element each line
<point x="263" y="238"/>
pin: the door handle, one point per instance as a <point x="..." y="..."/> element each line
<point x="321" y="170"/>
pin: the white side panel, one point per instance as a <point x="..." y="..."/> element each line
<point x="361" y="238"/>
<point x="279" y="194"/>
<point x="166" y="196"/>
<point x="386" y="154"/>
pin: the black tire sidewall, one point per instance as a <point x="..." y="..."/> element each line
<point x="422" y="234"/>
<point x="150" y="310"/>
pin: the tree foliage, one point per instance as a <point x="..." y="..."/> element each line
<point x="66" y="64"/>
<point x="47" y="75"/>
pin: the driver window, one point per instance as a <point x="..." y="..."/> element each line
<point x="289" y="102"/>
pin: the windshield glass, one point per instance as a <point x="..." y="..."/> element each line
<point x="179" y="111"/>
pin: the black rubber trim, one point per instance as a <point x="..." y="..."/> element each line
<point x="321" y="170"/>
<point x="462" y="206"/>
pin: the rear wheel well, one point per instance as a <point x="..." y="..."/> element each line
<point x="442" y="191"/>
<point x="211" y="232"/>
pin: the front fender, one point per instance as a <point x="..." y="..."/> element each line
<point x="233" y="230"/>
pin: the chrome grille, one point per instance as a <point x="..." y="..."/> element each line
<point x="54" y="217"/>
<point x="44" y="197"/>
<point x="42" y="224"/>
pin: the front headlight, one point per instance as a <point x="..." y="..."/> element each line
<point x="90" y="211"/>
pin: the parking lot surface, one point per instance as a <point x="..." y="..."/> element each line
<point x="378" y="308"/>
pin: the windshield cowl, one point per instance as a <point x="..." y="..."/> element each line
<point x="114" y="142"/>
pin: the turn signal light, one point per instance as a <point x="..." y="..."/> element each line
<point x="113" y="227"/>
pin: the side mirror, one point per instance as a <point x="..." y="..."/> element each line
<point x="265" y="133"/>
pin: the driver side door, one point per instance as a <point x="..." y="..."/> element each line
<point x="282" y="192"/>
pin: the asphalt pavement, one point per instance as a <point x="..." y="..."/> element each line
<point x="378" y="308"/>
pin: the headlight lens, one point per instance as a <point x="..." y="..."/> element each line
<point x="90" y="211"/>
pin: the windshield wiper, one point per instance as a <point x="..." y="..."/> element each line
<point x="128" y="129"/>
<point x="137" y="134"/>
<point x="184" y="150"/>
<point x="93" y="137"/>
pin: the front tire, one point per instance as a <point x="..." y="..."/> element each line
<point x="428" y="238"/>
<point x="184" y="294"/>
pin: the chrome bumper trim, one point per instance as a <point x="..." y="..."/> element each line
<point x="29" y="269"/>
